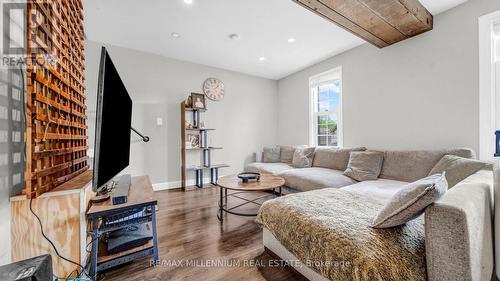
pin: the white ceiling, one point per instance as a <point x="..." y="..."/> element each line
<point x="264" y="27"/>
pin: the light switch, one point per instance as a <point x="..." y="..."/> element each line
<point x="159" y="121"/>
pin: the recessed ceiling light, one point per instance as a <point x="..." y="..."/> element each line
<point x="234" y="36"/>
<point x="262" y="58"/>
<point x="175" y="35"/>
<point x="291" y="40"/>
<point x="188" y="1"/>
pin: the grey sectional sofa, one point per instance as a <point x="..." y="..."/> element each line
<point x="399" y="168"/>
<point x="458" y="228"/>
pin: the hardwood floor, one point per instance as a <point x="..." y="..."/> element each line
<point x="190" y="237"/>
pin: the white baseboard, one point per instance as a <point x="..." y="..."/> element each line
<point x="176" y="184"/>
<point x="166" y="185"/>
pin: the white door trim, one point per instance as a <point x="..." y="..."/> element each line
<point x="487" y="98"/>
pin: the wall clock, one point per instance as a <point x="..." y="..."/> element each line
<point x="214" y="89"/>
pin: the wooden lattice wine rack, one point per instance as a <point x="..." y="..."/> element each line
<point x="56" y="121"/>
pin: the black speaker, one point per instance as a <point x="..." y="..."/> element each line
<point x="34" y="269"/>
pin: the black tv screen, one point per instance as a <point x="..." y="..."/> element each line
<point x="113" y="123"/>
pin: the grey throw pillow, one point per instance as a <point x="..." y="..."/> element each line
<point x="411" y="201"/>
<point x="271" y="155"/>
<point x="303" y="157"/>
<point x="457" y="168"/>
<point x="286" y="153"/>
<point x="364" y="166"/>
<point x="334" y="158"/>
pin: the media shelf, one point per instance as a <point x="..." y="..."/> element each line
<point x="137" y="252"/>
<point x="206" y="163"/>
<point x="130" y="254"/>
<point x="105" y="218"/>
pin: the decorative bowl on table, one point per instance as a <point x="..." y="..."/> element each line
<point x="249" y="176"/>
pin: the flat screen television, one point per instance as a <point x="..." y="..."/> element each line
<point x="113" y="123"/>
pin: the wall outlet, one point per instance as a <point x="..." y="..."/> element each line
<point x="159" y="121"/>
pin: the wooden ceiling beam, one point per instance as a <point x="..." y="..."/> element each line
<point x="380" y="22"/>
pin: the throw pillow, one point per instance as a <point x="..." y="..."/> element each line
<point x="364" y="166"/>
<point x="286" y="153"/>
<point x="457" y="168"/>
<point x="271" y="155"/>
<point x="303" y="157"/>
<point x="411" y="201"/>
<point x="334" y="158"/>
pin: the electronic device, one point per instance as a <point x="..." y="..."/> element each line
<point x="129" y="237"/>
<point x="120" y="192"/>
<point x="34" y="269"/>
<point x="113" y="130"/>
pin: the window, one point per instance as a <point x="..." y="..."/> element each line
<point x="326" y="108"/>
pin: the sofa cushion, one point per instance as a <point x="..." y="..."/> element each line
<point x="364" y="165"/>
<point x="411" y="201"/>
<point x="286" y="153"/>
<point x="456" y="168"/>
<point x="407" y="165"/>
<point x="303" y="157"/>
<point x="333" y="158"/>
<point x="462" y="152"/>
<point x="382" y="189"/>
<point x="271" y="155"/>
<point x="315" y="178"/>
<point x="267" y="168"/>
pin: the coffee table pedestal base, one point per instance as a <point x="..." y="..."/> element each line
<point x="223" y="199"/>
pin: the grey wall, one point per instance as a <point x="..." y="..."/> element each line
<point x="420" y="93"/>
<point x="245" y="120"/>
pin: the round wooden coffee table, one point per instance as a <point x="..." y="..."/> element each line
<point x="268" y="184"/>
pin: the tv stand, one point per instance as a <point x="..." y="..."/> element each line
<point x="106" y="218"/>
<point x="119" y="194"/>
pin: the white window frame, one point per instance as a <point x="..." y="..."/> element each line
<point x="487" y="86"/>
<point x="313" y="115"/>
